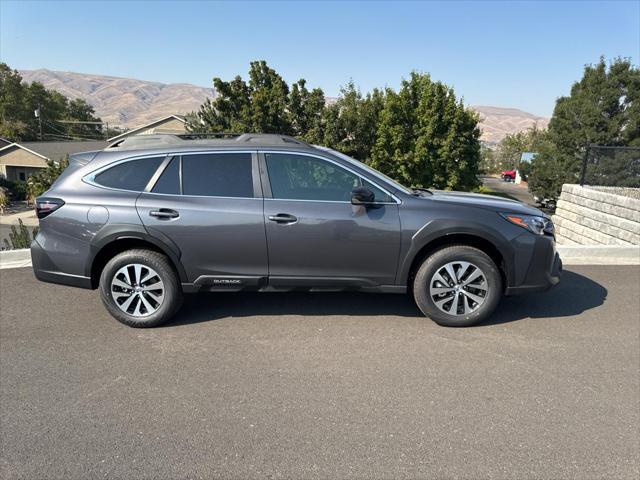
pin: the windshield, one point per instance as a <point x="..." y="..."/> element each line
<point x="366" y="167"/>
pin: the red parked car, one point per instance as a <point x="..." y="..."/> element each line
<point x="508" y="175"/>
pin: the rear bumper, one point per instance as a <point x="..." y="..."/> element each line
<point x="544" y="272"/>
<point x="45" y="270"/>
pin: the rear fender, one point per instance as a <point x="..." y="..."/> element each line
<point x="116" y="232"/>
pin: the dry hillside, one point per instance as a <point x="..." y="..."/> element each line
<point x="497" y="122"/>
<point x="123" y="102"/>
<point x="128" y="103"/>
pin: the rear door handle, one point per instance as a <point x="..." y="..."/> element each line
<point x="283" y="218"/>
<point x="164" y="214"/>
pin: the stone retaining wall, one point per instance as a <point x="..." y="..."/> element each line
<point x="597" y="216"/>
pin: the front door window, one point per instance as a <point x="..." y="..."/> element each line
<point x="301" y="177"/>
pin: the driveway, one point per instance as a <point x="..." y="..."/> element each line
<point x="518" y="192"/>
<point x="322" y="386"/>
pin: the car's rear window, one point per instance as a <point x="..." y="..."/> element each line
<point x="217" y="175"/>
<point x="131" y="175"/>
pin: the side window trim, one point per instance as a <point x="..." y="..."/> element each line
<point x="264" y="177"/>
<point x="90" y="177"/>
<point x="266" y="184"/>
<point x="179" y="157"/>
<point x="257" y="184"/>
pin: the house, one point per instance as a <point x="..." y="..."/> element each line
<point x="168" y="124"/>
<point x="18" y="161"/>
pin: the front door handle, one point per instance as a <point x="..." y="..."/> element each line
<point x="283" y="218"/>
<point x="164" y="214"/>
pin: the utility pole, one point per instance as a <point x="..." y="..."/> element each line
<point x="39" y="117"/>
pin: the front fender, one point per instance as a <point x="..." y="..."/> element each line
<point x="436" y="232"/>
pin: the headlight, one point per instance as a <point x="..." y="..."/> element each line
<point x="533" y="223"/>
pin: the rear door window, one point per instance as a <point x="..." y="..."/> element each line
<point x="218" y="175"/>
<point x="130" y="175"/>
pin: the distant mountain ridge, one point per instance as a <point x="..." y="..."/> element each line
<point x="126" y="102"/>
<point x="497" y="122"/>
<point x="123" y="102"/>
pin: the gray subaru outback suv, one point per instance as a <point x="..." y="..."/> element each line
<point x="155" y="216"/>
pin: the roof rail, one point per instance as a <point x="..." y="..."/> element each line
<point x="269" y="138"/>
<point x="187" y="139"/>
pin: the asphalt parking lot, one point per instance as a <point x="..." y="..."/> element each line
<point x="322" y="386"/>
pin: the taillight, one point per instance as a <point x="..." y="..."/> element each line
<point x="46" y="206"/>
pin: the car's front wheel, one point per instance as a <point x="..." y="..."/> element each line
<point x="457" y="286"/>
<point x="140" y="288"/>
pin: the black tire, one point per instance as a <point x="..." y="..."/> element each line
<point x="171" y="301"/>
<point x="434" y="263"/>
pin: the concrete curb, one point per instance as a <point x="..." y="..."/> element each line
<point x="15" y="258"/>
<point x="599" y="254"/>
<point x="570" y="255"/>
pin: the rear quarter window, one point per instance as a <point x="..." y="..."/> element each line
<point x="130" y="175"/>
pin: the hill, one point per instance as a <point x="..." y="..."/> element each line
<point x="126" y="102"/>
<point x="123" y="102"/>
<point x="497" y="122"/>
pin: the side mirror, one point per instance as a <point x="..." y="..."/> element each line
<point x="362" y="196"/>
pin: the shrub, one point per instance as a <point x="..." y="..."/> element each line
<point x="4" y="199"/>
<point x="20" y="237"/>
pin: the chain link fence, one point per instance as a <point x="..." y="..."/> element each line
<point x="611" y="167"/>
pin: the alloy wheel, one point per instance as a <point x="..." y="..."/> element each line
<point x="458" y="288"/>
<point x="137" y="290"/>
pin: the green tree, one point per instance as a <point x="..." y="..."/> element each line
<point x="426" y="137"/>
<point x="488" y="160"/>
<point x="512" y="146"/>
<point x="264" y="104"/>
<point x="12" y="107"/>
<point x="351" y="123"/>
<point x="79" y="110"/>
<point x="305" y="112"/>
<point x="603" y="108"/>
<point x="19" y="101"/>
<point x="41" y="181"/>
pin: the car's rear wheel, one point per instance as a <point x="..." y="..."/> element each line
<point x="457" y="286"/>
<point x="140" y="288"/>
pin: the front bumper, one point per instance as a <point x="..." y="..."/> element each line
<point x="544" y="270"/>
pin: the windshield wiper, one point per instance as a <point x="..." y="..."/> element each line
<point x="418" y="190"/>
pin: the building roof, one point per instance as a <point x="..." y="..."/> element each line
<point x="58" y="150"/>
<point x="142" y="128"/>
<point x="4" y="142"/>
<point x="11" y="146"/>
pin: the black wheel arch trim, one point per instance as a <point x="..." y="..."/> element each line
<point x="116" y="232"/>
<point x="439" y="230"/>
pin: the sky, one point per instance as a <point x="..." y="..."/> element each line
<point x="507" y="54"/>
